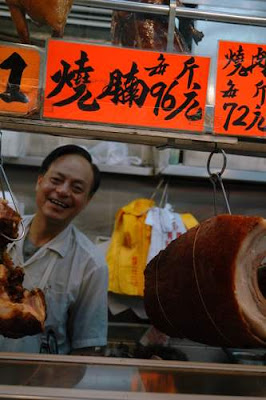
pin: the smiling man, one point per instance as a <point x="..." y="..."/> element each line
<point x="62" y="261"/>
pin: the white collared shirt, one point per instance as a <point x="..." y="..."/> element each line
<point x="75" y="291"/>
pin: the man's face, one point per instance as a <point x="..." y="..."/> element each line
<point x="63" y="191"/>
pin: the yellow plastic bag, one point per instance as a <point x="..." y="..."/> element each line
<point x="189" y="220"/>
<point x="127" y="254"/>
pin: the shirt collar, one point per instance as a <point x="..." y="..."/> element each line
<point x="59" y="244"/>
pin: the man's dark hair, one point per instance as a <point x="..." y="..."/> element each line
<point x="72" y="149"/>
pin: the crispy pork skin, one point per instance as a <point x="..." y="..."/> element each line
<point x="22" y="312"/>
<point x="44" y="12"/>
<point x="204" y="285"/>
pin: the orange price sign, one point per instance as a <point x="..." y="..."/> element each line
<point x="124" y="86"/>
<point x="19" y="79"/>
<point x="240" y="106"/>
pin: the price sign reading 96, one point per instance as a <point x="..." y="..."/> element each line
<point x="113" y="85"/>
<point x="240" y="106"/>
<point x="19" y="79"/>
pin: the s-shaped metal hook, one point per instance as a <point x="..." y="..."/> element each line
<point x="216" y="177"/>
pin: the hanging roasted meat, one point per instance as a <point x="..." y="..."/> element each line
<point x="44" y="12"/>
<point x="206" y="285"/>
<point x="22" y="312"/>
<point x="147" y="31"/>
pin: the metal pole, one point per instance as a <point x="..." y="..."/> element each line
<point x="171" y="26"/>
<point x="185" y="12"/>
<point x="125" y="5"/>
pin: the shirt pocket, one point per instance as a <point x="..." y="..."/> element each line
<point x="57" y="304"/>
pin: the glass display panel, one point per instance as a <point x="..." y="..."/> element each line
<point x="130" y="378"/>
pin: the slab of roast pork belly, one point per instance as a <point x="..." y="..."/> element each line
<point x="205" y="285"/>
<point x="22" y="312"/>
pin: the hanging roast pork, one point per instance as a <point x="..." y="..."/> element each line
<point x="206" y="285"/>
<point x="22" y="312"/>
<point x="149" y="31"/>
<point x="44" y="12"/>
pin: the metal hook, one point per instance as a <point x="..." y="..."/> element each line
<point x="3" y="175"/>
<point x="157" y="189"/>
<point x="213" y="179"/>
<point x="217" y="177"/>
<point x="216" y="151"/>
<point x="164" y="197"/>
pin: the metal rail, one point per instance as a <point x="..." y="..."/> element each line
<point x="159" y="138"/>
<point x="185" y="12"/>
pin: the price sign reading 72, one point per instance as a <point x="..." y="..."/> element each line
<point x="240" y="107"/>
<point x="19" y="79"/>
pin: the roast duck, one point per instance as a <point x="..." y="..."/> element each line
<point x="149" y="31"/>
<point x="209" y="285"/>
<point x="43" y="12"/>
<point x="22" y="312"/>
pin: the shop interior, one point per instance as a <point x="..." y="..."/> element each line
<point x="177" y="175"/>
